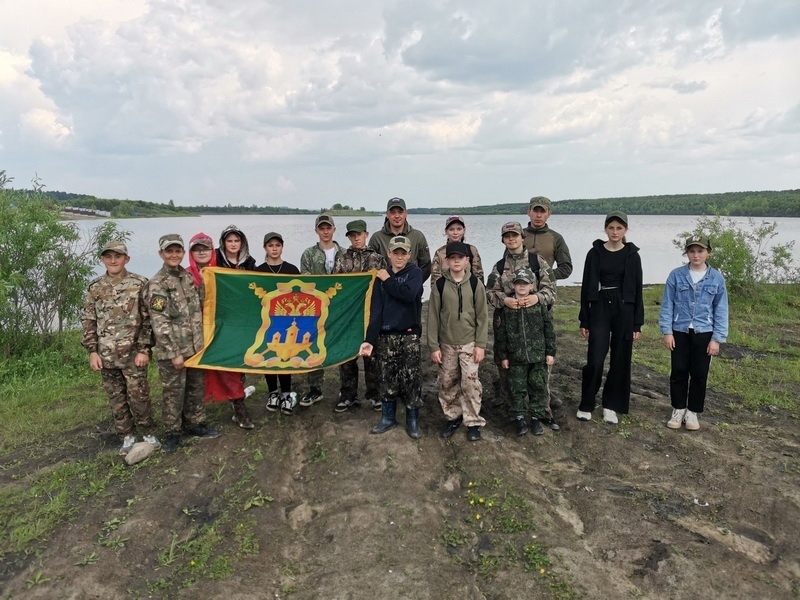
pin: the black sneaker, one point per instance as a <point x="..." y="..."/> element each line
<point x="345" y="405"/>
<point x="536" y="426"/>
<point x="274" y="401"/>
<point x="450" y="427"/>
<point x="473" y="433"/>
<point x="171" y="443"/>
<point x="313" y="396"/>
<point x="376" y="404"/>
<point x="522" y="426"/>
<point x="551" y="423"/>
<point x="203" y="431"/>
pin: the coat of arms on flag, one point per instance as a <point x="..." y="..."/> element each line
<point x="264" y="323"/>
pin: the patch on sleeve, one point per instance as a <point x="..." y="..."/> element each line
<point x="158" y="303"/>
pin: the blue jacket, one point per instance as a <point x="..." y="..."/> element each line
<point x="396" y="304"/>
<point x="704" y="307"/>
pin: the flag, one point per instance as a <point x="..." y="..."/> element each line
<point x="263" y="323"/>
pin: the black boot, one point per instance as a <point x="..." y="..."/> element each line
<point x="387" y="417"/>
<point x="412" y="423"/>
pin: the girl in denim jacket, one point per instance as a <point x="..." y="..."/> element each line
<point x="694" y="321"/>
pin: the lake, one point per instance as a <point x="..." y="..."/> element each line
<point x="653" y="234"/>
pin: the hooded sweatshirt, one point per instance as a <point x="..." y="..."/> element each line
<point x="244" y="261"/>
<point x="197" y="275"/>
<point x="457" y="317"/>
<point x="420" y="253"/>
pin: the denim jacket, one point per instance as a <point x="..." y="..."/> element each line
<point x="704" y="307"/>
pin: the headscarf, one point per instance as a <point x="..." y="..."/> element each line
<point x="197" y="276"/>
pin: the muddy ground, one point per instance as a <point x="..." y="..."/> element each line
<point x="313" y="506"/>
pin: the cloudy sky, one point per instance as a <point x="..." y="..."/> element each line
<point x="445" y="103"/>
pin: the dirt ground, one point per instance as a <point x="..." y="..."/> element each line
<point x="313" y="506"/>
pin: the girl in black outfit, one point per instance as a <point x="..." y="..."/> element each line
<point x="611" y="309"/>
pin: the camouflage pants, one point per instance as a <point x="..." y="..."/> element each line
<point x="528" y="383"/>
<point x="348" y="379"/>
<point x="460" y="388"/>
<point x="129" y="396"/>
<point x="182" y="403"/>
<point x="399" y="361"/>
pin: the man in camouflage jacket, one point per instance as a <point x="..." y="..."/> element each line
<point x="358" y="258"/>
<point x="177" y="321"/>
<point x="116" y="333"/>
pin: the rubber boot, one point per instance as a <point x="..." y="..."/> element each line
<point x="240" y="416"/>
<point x="387" y="417"/>
<point x="412" y="423"/>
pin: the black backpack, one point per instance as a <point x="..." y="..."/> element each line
<point x="533" y="262"/>
<point x="473" y="283"/>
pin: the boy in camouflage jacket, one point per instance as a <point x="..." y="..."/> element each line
<point x="116" y="333"/>
<point x="358" y="258"/>
<point x="526" y="345"/>
<point x="177" y="321"/>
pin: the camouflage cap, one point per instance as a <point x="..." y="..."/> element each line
<point x="454" y="219"/>
<point x="541" y="201"/>
<point x="201" y="240"/>
<point x="117" y="246"/>
<point x="399" y="242"/>
<point x="357" y="226"/>
<point x="171" y="239"/>
<point x="524" y="274"/>
<point x="396" y="202"/>
<point x="697" y="240"/>
<point x="617" y="215"/>
<point x="511" y="227"/>
<point x="324" y="219"/>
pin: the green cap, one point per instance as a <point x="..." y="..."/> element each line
<point x="273" y="235"/>
<point x="541" y="201"/>
<point x="357" y="226"/>
<point x="324" y="219"/>
<point x="697" y="240"/>
<point x="524" y="274"/>
<point x="171" y="239"/>
<point x="617" y="215"/>
<point x="399" y="241"/>
<point x="511" y="227"/>
<point x="396" y="202"/>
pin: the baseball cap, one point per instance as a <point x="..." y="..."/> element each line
<point x="524" y="274"/>
<point x="459" y="248"/>
<point x="399" y="241"/>
<point x="541" y="201"/>
<point x="453" y="219"/>
<point x="697" y="240"/>
<point x="617" y="215"/>
<point x="357" y="226"/>
<point x="322" y="219"/>
<point x="201" y="240"/>
<point x="273" y="235"/>
<point x="114" y="246"/>
<point x="511" y="227"/>
<point x="396" y="202"/>
<point x="171" y="239"/>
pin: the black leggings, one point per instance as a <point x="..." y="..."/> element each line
<point x="689" y="374"/>
<point x="607" y="318"/>
<point x="272" y="382"/>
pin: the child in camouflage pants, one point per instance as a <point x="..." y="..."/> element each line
<point x="526" y="345"/>
<point x="116" y="332"/>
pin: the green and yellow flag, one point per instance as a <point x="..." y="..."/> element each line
<point x="262" y="323"/>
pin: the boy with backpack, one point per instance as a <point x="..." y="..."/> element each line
<point x="458" y="323"/>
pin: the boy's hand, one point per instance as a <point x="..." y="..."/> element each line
<point x="504" y="363"/>
<point x="669" y="341"/>
<point x="550" y="360"/>
<point x="436" y="356"/>
<point x="478" y="354"/>
<point x="95" y="362"/>
<point x="177" y="362"/>
<point x="713" y="348"/>
<point x="383" y="275"/>
<point x="141" y="359"/>
<point x="366" y="349"/>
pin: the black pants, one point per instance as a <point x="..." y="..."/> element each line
<point x="272" y="382"/>
<point x="689" y="375"/>
<point x="607" y="319"/>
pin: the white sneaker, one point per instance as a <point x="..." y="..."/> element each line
<point x="676" y="420"/>
<point x="609" y="416"/>
<point x="584" y="416"/>
<point x="691" y="421"/>
<point x="153" y="441"/>
<point x="249" y="391"/>
<point x="127" y="444"/>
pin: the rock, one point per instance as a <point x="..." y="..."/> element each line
<point x="139" y="452"/>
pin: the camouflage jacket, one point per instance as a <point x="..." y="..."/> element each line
<point x="439" y="264"/>
<point x="501" y="285"/>
<point x="358" y="261"/>
<point x="312" y="261"/>
<point x="525" y="335"/>
<point x="115" y="320"/>
<point x="175" y="313"/>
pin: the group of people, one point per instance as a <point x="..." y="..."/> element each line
<point x="126" y="317"/>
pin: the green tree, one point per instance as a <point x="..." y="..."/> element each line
<point x="746" y="257"/>
<point x="45" y="267"/>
